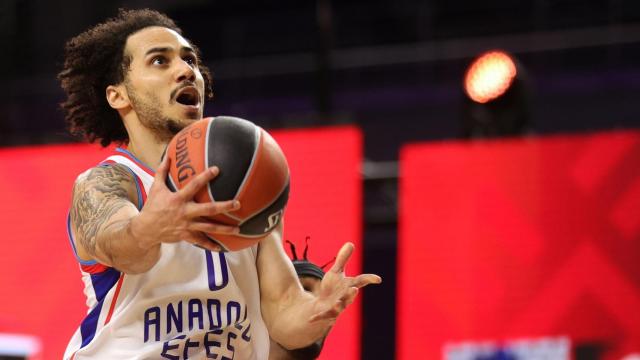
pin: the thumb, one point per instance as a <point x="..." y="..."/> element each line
<point x="161" y="171"/>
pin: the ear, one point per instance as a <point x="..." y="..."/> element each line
<point x="117" y="96"/>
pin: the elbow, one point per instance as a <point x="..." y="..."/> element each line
<point x="309" y="352"/>
<point x="137" y="266"/>
<point x="143" y="267"/>
<point x="134" y="269"/>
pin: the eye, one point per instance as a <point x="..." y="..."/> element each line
<point x="158" y="60"/>
<point x="191" y="60"/>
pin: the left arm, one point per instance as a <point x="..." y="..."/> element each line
<point x="295" y="318"/>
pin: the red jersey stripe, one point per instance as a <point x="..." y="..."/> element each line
<point x="115" y="299"/>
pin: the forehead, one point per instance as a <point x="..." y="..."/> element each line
<point x="141" y="41"/>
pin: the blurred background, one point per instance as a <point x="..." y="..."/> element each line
<point x="393" y="69"/>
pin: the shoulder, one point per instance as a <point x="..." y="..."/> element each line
<point x="106" y="172"/>
<point x="111" y="180"/>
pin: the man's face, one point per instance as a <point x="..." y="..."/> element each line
<point x="310" y="284"/>
<point x="164" y="83"/>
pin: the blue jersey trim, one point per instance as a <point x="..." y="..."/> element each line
<point x="135" y="177"/>
<point x="138" y="190"/>
<point x="102" y="283"/>
<point x="73" y="245"/>
<point x="89" y="325"/>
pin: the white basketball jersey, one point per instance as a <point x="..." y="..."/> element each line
<point x="193" y="304"/>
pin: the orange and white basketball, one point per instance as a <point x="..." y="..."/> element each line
<point x="253" y="170"/>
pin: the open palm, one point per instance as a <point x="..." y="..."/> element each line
<point x="337" y="290"/>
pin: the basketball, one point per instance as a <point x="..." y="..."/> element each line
<point x="253" y="170"/>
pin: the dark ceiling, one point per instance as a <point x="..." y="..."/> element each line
<point x="392" y="67"/>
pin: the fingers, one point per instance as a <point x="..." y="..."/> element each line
<point x="214" y="228"/>
<point x="343" y="257"/>
<point x="330" y="314"/>
<point x="199" y="181"/>
<point x="365" y="279"/>
<point x="350" y="296"/>
<point x="162" y="170"/>
<point x="211" y="209"/>
<point x="339" y="306"/>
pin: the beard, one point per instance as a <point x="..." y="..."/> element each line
<point x="151" y="117"/>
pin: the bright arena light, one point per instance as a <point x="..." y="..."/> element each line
<point x="489" y="76"/>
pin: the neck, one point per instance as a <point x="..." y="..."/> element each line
<point x="149" y="153"/>
<point x="145" y="145"/>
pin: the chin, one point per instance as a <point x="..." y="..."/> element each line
<point x="174" y="126"/>
<point x="195" y="115"/>
<point x="180" y="121"/>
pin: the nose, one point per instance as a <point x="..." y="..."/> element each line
<point x="185" y="72"/>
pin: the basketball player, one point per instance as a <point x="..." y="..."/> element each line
<point x="136" y="81"/>
<point x="310" y="276"/>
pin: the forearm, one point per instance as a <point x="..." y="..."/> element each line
<point x="290" y="322"/>
<point x="122" y="245"/>
<point x="286" y="308"/>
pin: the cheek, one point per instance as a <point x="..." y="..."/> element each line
<point x="148" y="86"/>
<point x="153" y="80"/>
<point x="200" y="81"/>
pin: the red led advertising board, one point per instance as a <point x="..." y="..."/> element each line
<point x="41" y="288"/>
<point x="528" y="238"/>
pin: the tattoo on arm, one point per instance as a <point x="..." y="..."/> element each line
<point x="97" y="195"/>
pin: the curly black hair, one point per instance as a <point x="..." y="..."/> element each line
<point x="94" y="60"/>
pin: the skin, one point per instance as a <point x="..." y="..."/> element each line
<point x="108" y="227"/>
<point x="310" y="284"/>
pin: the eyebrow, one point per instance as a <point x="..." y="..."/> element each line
<point x="168" y="49"/>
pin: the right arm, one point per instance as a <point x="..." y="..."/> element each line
<point x="101" y="213"/>
<point x="108" y="228"/>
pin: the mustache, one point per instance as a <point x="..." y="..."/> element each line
<point x="182" y="85"/>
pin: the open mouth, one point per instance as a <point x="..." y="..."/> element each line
<point x="188" y="96"/>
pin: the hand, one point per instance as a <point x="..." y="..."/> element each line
<point x="171" y="217"/>
<point x="337" y="291"/>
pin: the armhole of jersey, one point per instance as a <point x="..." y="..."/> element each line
<point x="73" y="244"/>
